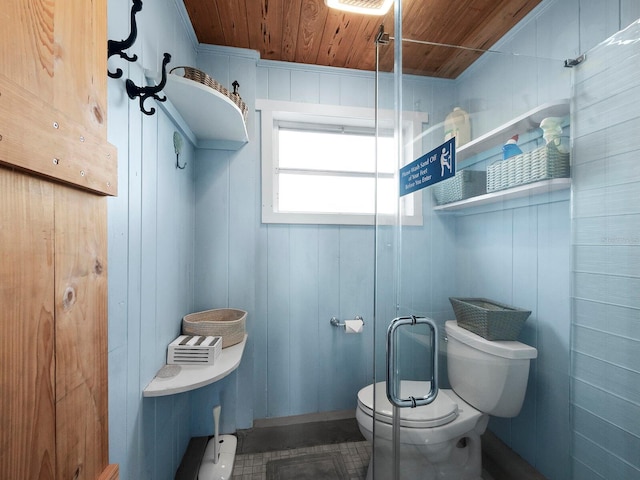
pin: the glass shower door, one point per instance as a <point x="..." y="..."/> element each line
<point x="405" y="338"/>
<point x="501" y="237"/>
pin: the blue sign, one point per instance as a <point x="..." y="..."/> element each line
<point x="433" y="167"/>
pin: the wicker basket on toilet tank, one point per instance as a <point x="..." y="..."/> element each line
<point x="228" y="323"/>
<point x="489" y="319"/>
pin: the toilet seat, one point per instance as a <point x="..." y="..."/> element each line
<point x="441" y="411"/>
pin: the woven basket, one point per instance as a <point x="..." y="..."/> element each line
<point x="201" y="77"/>
<point x="542" y="163"/>
<point x="227" y="323"/>
<point x="489" y="319"/>
<point x="464" y="184"/>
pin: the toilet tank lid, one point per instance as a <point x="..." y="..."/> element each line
<point x="501" y="348"/>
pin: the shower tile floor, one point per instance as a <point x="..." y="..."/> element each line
<point x="259" y="445"/>
<point x="253" y="466"/>
<point x="256" y="446"/>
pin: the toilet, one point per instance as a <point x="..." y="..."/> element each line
<point x="442" y="440"/>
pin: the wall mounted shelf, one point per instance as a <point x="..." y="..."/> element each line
<point x="213" y="118"/>
<point x="496" y="137"/>
<point x="172" y="379"/>
<point x="537" y="188"/>
<point x="523" y="123"/>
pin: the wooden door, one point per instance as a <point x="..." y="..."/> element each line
<point x="55" y="169"/>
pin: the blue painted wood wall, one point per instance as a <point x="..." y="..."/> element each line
<point x="151" y="250"/>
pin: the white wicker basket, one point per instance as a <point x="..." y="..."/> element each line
<point x="541" y="164"/>
<point x="228" y="323"/>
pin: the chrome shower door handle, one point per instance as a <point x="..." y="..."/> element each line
<point x="393" y="385"/>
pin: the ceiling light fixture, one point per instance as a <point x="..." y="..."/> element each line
<point x="368" y="7"/>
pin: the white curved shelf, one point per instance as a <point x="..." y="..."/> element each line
<point x="525" y="122"/>
<point x="543" y="186"/>
<point x="213" y="118"/>
<point x="191" y="377"/>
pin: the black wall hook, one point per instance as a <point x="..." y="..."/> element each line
<point x="149" y="92"/>
<point x="117" y="47"/>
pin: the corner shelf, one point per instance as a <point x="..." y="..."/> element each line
<point x="518" y="125"/>
<point x="190" y="377"/>
<point x="543" y="186"/>
<point x="213" y="118"/>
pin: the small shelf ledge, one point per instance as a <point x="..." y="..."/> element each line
<point x="518" y="125"/>
<point x="544" y="186"/>
<point x="213" y="118"/>
<point x="190" y="377"/>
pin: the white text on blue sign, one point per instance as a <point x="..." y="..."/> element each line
<point x="433" y="167"/>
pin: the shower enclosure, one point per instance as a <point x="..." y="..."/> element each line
<point x="564" y="245"/>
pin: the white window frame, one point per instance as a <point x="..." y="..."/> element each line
<point x="273" y="112"/>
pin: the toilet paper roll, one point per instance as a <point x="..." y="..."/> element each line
<point x="353" y="326"/>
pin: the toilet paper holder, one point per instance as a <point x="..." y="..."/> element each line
<point x="336" y="323"/>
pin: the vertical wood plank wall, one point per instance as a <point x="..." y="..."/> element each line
<point x="524" y="255"/>
<point x="291" y="278"/>
<point x="150" y="249"/>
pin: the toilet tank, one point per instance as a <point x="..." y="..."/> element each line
<point x="490" y="375"/>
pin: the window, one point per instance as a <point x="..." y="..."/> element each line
<point x="319" y="166"/>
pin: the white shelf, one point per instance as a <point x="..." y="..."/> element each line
<point x="190" y="377"/>
<point x="518" y="125"/>
<point x="544" y="186"/>
<point x="213" y="118"/>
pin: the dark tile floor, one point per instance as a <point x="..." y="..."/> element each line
<point x="283" y="437"/>
<point x="257" y="446"/>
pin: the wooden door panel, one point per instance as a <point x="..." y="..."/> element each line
<point x="27" y="427"/>
<point x="80" y="79"/>
<point x="53" y="91"/>
<point x="112" y="472"/>
<point x="38" y="138"/>
<point x="81" y="333"/>
<point x="27" y="48"/>
<point x="53" y="234"/>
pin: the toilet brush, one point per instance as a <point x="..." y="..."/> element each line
<point x="216" y="422"/>
<point x="219" y="455"/>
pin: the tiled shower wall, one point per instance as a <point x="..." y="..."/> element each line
<point x="606" y="269"/>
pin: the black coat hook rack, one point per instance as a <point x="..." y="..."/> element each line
<point x="115" y="47"/>
<point x="149" y="92"/>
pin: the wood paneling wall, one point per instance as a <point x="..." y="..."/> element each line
<point x="292" y="278"/>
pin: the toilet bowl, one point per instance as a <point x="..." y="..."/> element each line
<point x="442" y="440"/>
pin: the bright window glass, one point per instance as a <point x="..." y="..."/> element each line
<point x="322" y="171"/>
<point x="319" y="165"/>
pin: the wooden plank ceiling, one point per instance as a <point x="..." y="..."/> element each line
<point x="306" y="31"/>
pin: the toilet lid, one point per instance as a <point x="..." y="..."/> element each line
<point x="440" y="412"/>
